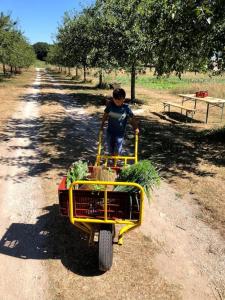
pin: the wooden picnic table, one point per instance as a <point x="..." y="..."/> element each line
<point x="210" y="101"/>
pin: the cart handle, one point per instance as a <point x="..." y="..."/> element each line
<point x="123" y="157"/>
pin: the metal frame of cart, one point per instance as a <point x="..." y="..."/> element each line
<point x="96" y="212"/>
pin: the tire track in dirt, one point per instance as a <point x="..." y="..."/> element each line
<point x="22" y="275"/>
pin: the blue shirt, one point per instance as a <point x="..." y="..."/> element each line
<point x="118" y="116"/>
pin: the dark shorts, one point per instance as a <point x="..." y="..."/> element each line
<point x="114" y="144"/>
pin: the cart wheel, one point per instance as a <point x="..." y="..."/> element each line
<point x="105" y="252"/>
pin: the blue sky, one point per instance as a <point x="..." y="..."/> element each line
<point x="39" y="19"/>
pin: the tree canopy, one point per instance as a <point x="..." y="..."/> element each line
<point x="15" y="51"/>
<point x="41" y="50"/>
<point x="172" y="36"/>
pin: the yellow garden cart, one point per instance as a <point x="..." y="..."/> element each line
<point x="96" y="212"/>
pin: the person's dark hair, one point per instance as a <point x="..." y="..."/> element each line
<point x="119" y="94"/>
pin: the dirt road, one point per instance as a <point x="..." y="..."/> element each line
<point x="173" y="256"/>
<point x="21" y="201"/>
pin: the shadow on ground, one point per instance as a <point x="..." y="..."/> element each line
<point x="179" y="117"/>
<point x="69" y="100"/>
<point x="52" y="237"/>
<point x="55" y="142"/>
<point x="61" y="138"/>
<point x="62" y="86"/>
<point x="177" y="150"/>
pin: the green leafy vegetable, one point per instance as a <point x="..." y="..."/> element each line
<point x="98" y="187"/>
<point x="78" y="171"/>
<point x="143" y="173"/>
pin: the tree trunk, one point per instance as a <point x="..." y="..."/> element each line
<point x="133" y="84"/>
<point x="4" y="69"/>
<point x="11" y="69"/>
<point x="69" y="71"/>
<point x="85" y="73"/>
<point x="76" y="72"/>
<point x="100" y="78"/>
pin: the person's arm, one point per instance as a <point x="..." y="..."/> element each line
<point x="134" y="124"/>
<point x="104" y="119"/>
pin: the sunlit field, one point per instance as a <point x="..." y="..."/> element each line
<point x="189" y="82"/>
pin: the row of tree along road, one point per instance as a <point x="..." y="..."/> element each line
<point x="15" y="50"/>
<point x="172" y="36"/>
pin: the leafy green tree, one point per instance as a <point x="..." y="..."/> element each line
<point x="99" y="56"/>
<point x="82" y="38"/>
<point x="75" y="38"/>
<point x="41" y="49"/>
<point x="172" y="36"/>
<point x="55" y="55"/>
<point x="65" y="43"/>
<point x="6" y="25"/>
<point x="15" y="51"/>
<point x="127" y="43"/>
<point x="21" y="54"/>
<point x="182" y="34"/>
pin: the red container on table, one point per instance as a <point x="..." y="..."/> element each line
<point x="201" y="94"/>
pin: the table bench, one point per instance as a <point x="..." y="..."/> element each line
<point x="189" y="111"/>
<point x="210" y="102"/>
<point x="115" y="85"/>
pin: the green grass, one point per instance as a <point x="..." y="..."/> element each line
<point x="163" y="83"/>
<point x="40" y="64"/>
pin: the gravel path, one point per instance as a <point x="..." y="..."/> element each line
<point x="22" y="274"/>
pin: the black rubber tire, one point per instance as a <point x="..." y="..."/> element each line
<point x="105" y="252"/>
